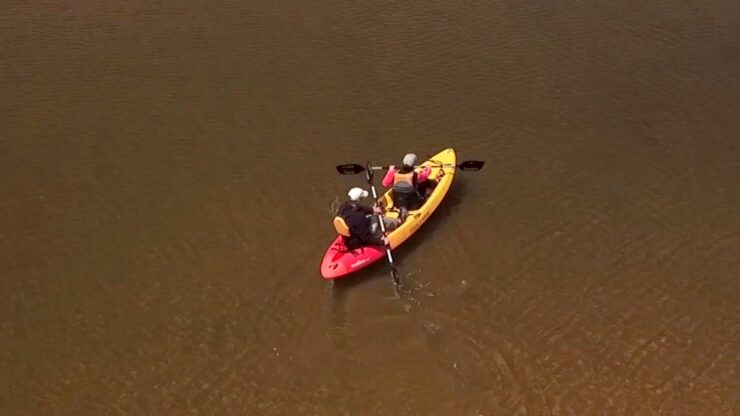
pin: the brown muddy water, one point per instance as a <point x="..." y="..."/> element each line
<point x="167" y="177"/>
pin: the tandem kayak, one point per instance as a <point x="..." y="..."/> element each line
<point x="338" y="261"/>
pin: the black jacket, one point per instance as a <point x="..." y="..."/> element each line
<point x="358" y="219"/>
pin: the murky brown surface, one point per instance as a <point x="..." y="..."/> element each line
<point x="167" y="173"/>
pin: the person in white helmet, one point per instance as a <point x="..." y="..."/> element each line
<point x="362" y="220"/>
<point x="407" y="181"/>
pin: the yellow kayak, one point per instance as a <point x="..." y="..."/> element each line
<point x="443" y="172"/>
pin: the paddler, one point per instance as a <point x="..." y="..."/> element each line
<point x="407" y="180"/>
<point x="362" y="220"/>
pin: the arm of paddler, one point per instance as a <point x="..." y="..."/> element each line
<point x="388" y="178"/>
<point x="424" y="174"/>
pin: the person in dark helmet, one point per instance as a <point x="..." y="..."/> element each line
<point x="361" y="221"/>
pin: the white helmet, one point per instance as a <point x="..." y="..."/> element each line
<point x="356" y="193"/>
<point x="409" y="160"/>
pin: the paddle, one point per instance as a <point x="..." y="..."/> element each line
<point x="394" y="273"/>
<point x="352" y="168"/>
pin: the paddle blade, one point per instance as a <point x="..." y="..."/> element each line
<point x="349" y="169"/>
<point x="469" y="165"/>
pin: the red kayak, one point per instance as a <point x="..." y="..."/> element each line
<point x="338" y="261"/>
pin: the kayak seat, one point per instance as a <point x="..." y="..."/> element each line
<point x="341" y="226"/>
<point x="405" y="196"/>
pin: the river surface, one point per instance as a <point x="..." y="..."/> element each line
<point x="167" y="178"/>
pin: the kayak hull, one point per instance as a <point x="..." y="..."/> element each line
<point x="338" y="261"/>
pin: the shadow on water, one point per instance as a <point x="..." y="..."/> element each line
<point x="446" y="208"/>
